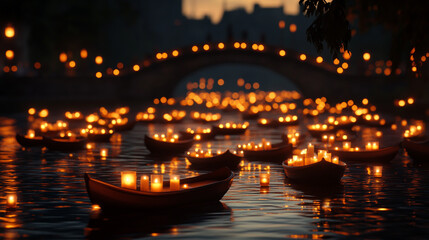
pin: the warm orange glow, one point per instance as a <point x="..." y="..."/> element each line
<point x="72" y="64"/>
<point x="164" y="55"/>
<point x="6" y="69"/>
<point x="255" y="46"/>
<point x="14" y="68"/>
<point x="340" y="70"/>
<point x="282" y="53"/>
<point x="243" y="45"/>
<point x="347" y="55"/>
<point x="410" y="100"/>
<point x="175" y="53"/>
<point x="136" y="68"/>
<point x="292" y="28"/>
<point x="365" y="101"/>
<point x="282" y="24"/>
<point x="345" y="65"/>
<point x="255" y="85"/>
<point x="98" y="74"/>
<point x="31" y="111"/>
<point x="37" y="65"/>
<point x="414" y="69"/>
<point x="129" y="179"/>
<point x="206" y="47"/>
<point x="220" y="82"/>
<point x="366" y="56"/>
<point x="387" y="71"/>
<point x="194" y="48"/>
<point x="9" y="32"/>
<point x="240" y="82"/>
<point x="237" y="45"/>
<point x="221" y="46"/>
<point x="264" y="180"/>
<point x="401" y="103"/>
<point x="120" y="65"/>
<point x="83" y="53"/>
<point x="302" y="57"/>
<point x="158" y="56"/>
<point x="63" y="57"/>
<point x="336" y="61"/>
<point x="11" y="200"/>
<point x="95" y="207"/>
<point x="98" y="60"/>
<point x="319" y="59"/>
<point x="116" y="72"/>
<point x="261" y="47"/>
<point x="43" y="113"/>
<point x="9" y="54"/>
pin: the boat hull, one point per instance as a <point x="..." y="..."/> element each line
<point x="228" y="131"/>
<point x="226" y="159"/>
<point x="278" y="153"/>
<point x="418" y="151"/>
<point x="167" y="148"/>
<point x="383" y="155"/>
<point x="64" y="146"/>
<point x="29" y="142"/>
<point x="320" y="172"/>
<point x="108" y="196"/>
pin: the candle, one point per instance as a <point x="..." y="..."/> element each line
<point x="144" y="183"/>
<point x="368" y="146"/>
<point x="129" y="179"/>
<point x="347" y="145"/>
<point x="378" y="171"/>
<point x="264" y="180"/>
<point x="185" y="186"/>
<point x="31" y="133"/>
<point x="103" y="153"/>
<point x="375" y="145"/>
<point x="156" y="182"/>
<point x="11" y="200"/>
<point x="174" y="183"/>
<point x="335" y="160"/>
<point x="310" y="150"/>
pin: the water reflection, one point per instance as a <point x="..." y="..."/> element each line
<point x="107" y="225"/>
<point x="53" y="201"/>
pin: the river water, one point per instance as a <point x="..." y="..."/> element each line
<point x="53" y="203"/>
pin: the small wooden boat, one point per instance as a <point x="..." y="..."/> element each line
<point x="167" y="148"/>
<point x="124" y="127"/>
<point x="319" y="172"/>
<point x="225" y="159"/>
<point x="209" y="187"/>
<point x="377" y="156"/>
<point x="36" y="141"/>
<point x="99" y="137"/>
<point x="228" y="131"/>
<point x="203" y="136"/>
<point x="65" y="144"/>
<point x="418" y="151"/>
<point x="249" y="115"/>
<point x="278" y="153"/>
<point x="319" y="133"/>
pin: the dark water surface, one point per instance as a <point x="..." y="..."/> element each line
<point x="53" y="203"/>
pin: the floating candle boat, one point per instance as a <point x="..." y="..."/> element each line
<point x="371" y="153"/>
<point x="145" y="117"/>
<point x="122" y="124"/>
<point x="212" y="160"/>
<point x="317" y="130"/>
<point x="198" y="134"/>
<point x="265" y="151"/>
<point x="65" y="144"/>
<point x="342" y="122"/>
<point x="280" y="121"/>
<point x="201" y="189"/>
<point x="205" y="117"/>
<point x="174" y="116"/>
<point x="74" y="117"/>
<point x="230" y="128"/>
<point x="30" y="139"/>
<point x="167" y="144"/>
<point x="309" y="168"/>
<point x="96" y="134"/>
